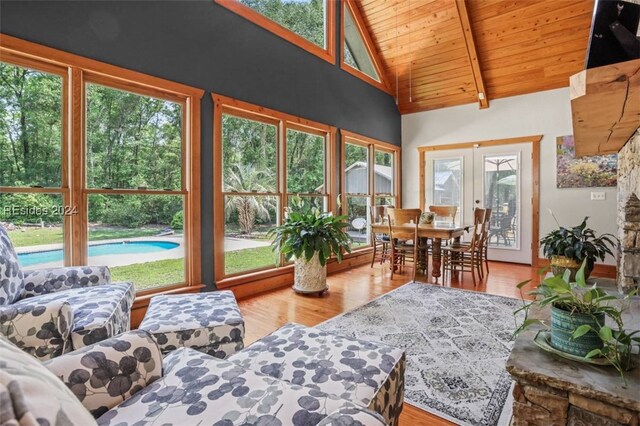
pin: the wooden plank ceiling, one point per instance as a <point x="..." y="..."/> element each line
<point x="510" y="47"/>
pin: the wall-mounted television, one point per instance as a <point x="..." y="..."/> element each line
<point x="615" y="32"/>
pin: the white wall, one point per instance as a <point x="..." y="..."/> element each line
<point x="546" y="113"/>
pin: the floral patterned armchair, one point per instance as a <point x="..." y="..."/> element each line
<point x="49" y="312"/>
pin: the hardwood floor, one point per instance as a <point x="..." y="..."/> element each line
<point x="266" y="312"/>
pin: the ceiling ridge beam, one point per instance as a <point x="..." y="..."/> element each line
<point x="465" y="25"/>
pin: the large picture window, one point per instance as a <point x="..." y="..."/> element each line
<point x="369" y="177"/>
<point x="251" y="196"/>
<point x="33" y="185"/>
<point x="265" y="159"/>
<point x="134" y="178"/>
<point x="308" y="24"/>
<point x="98" y="165"/>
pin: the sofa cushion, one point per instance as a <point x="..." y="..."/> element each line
<point x="98" y="312"/>
<point x="200" y="389"/>
<point x="30" y="394"/>
<point x="194" y="320"/>
<point x="43" y="281"/>
<point x="365" y="373"/>
<point x="11" y="276"/>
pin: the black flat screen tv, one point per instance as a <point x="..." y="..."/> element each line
<point x="615" y="32"/>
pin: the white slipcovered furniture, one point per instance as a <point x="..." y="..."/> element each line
<point x="49" y="312"/>
<point x="124" y="381"/>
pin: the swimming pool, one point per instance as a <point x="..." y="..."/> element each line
<point x="123" y="247"/>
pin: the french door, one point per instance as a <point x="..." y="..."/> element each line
<point x="496" y="177"/>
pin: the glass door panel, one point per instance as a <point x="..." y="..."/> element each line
<point x="501" y="195"/>
<point x="504" y="185"/>
<point x="448" y="184"/>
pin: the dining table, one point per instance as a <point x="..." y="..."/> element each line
<point x="437" y="232"/>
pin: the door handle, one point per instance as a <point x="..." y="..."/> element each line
<point x="477" y="201"/>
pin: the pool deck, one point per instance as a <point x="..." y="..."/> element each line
<point x="111" y="260"/>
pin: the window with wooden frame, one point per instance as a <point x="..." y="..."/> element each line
<point x="309" y="24"/>
<point x="263" y="160"/>
<point x="358" y="54"/>
<point x="34" y="183"/>
<point x="370" y="176"/>
<point x="111" y="173"/>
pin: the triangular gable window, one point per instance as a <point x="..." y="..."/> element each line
<point x="356" y="53"/>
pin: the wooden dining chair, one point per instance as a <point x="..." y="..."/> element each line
<point x="482" y="224"/>
<point x="380" y="241"/>
<point x="465" y="257"/>
<point x="404" y="242"/>
<point x="484" y="242"/>
<point x="444" y="211"/>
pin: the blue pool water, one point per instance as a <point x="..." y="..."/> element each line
<point x="125" y="247"/>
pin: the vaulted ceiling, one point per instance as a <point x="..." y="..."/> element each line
<point x="447" y="52"/>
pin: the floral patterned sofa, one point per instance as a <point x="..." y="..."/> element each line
<point x="49" y="312"/>
<point x="125" y="381"/>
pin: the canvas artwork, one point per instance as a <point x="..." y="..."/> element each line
<point x="583" y="172"/>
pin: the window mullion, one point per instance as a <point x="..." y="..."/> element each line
<point x="77" y="197"/>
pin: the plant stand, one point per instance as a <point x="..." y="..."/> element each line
<point x="310" y="277"/>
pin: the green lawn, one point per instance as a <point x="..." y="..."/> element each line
<point x="166" y="272"/>
<point x="37" y="236"/>
<point x="150" y="274"/>
<point x="247" y="259"/>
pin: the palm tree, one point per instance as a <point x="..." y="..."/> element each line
<point x="246" y="179"/>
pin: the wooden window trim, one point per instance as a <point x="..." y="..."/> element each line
<point x="383" y="84"/>
<point x="226" y="105"/>
<point x="372" y="146"/>
<point x="79" y="70"/>
<point x="63" y="190"/>
<point x="327" y="53"/>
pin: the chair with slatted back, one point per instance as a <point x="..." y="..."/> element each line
<point x="484" y="243"/>
<point x="444" y="211"/>
<point x="380" y="241"/>
<point x="404" y="242"/>
<point x="466" y="258"/>
<point x="481" y="218"/>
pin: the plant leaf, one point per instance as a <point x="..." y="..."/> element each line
<point x="580" y="331"/>
<point x="605" y="333"/>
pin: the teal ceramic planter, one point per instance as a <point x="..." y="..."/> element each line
<point x="564" y="323"/>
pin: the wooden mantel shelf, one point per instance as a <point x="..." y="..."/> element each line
<point x="605" y="105"/>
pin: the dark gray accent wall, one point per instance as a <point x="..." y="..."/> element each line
<point x="204" y="45"/>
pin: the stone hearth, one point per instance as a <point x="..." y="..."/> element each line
<point x="629" y="215"/>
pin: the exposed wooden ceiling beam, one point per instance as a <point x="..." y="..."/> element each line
<point x="465" y="24"/>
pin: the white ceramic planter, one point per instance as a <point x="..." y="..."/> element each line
<point x="311" y="276"/>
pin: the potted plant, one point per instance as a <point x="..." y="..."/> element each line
<point x="579" y="319"/>
<point x="567" y="248"/>
<point x="310" y="237"/>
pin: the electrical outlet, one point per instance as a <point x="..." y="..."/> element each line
<point x="598" y="196"/>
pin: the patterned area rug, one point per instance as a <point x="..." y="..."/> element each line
<point x="457" y="343"/>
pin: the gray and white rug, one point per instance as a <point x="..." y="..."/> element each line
<point x="457" y="343"/>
